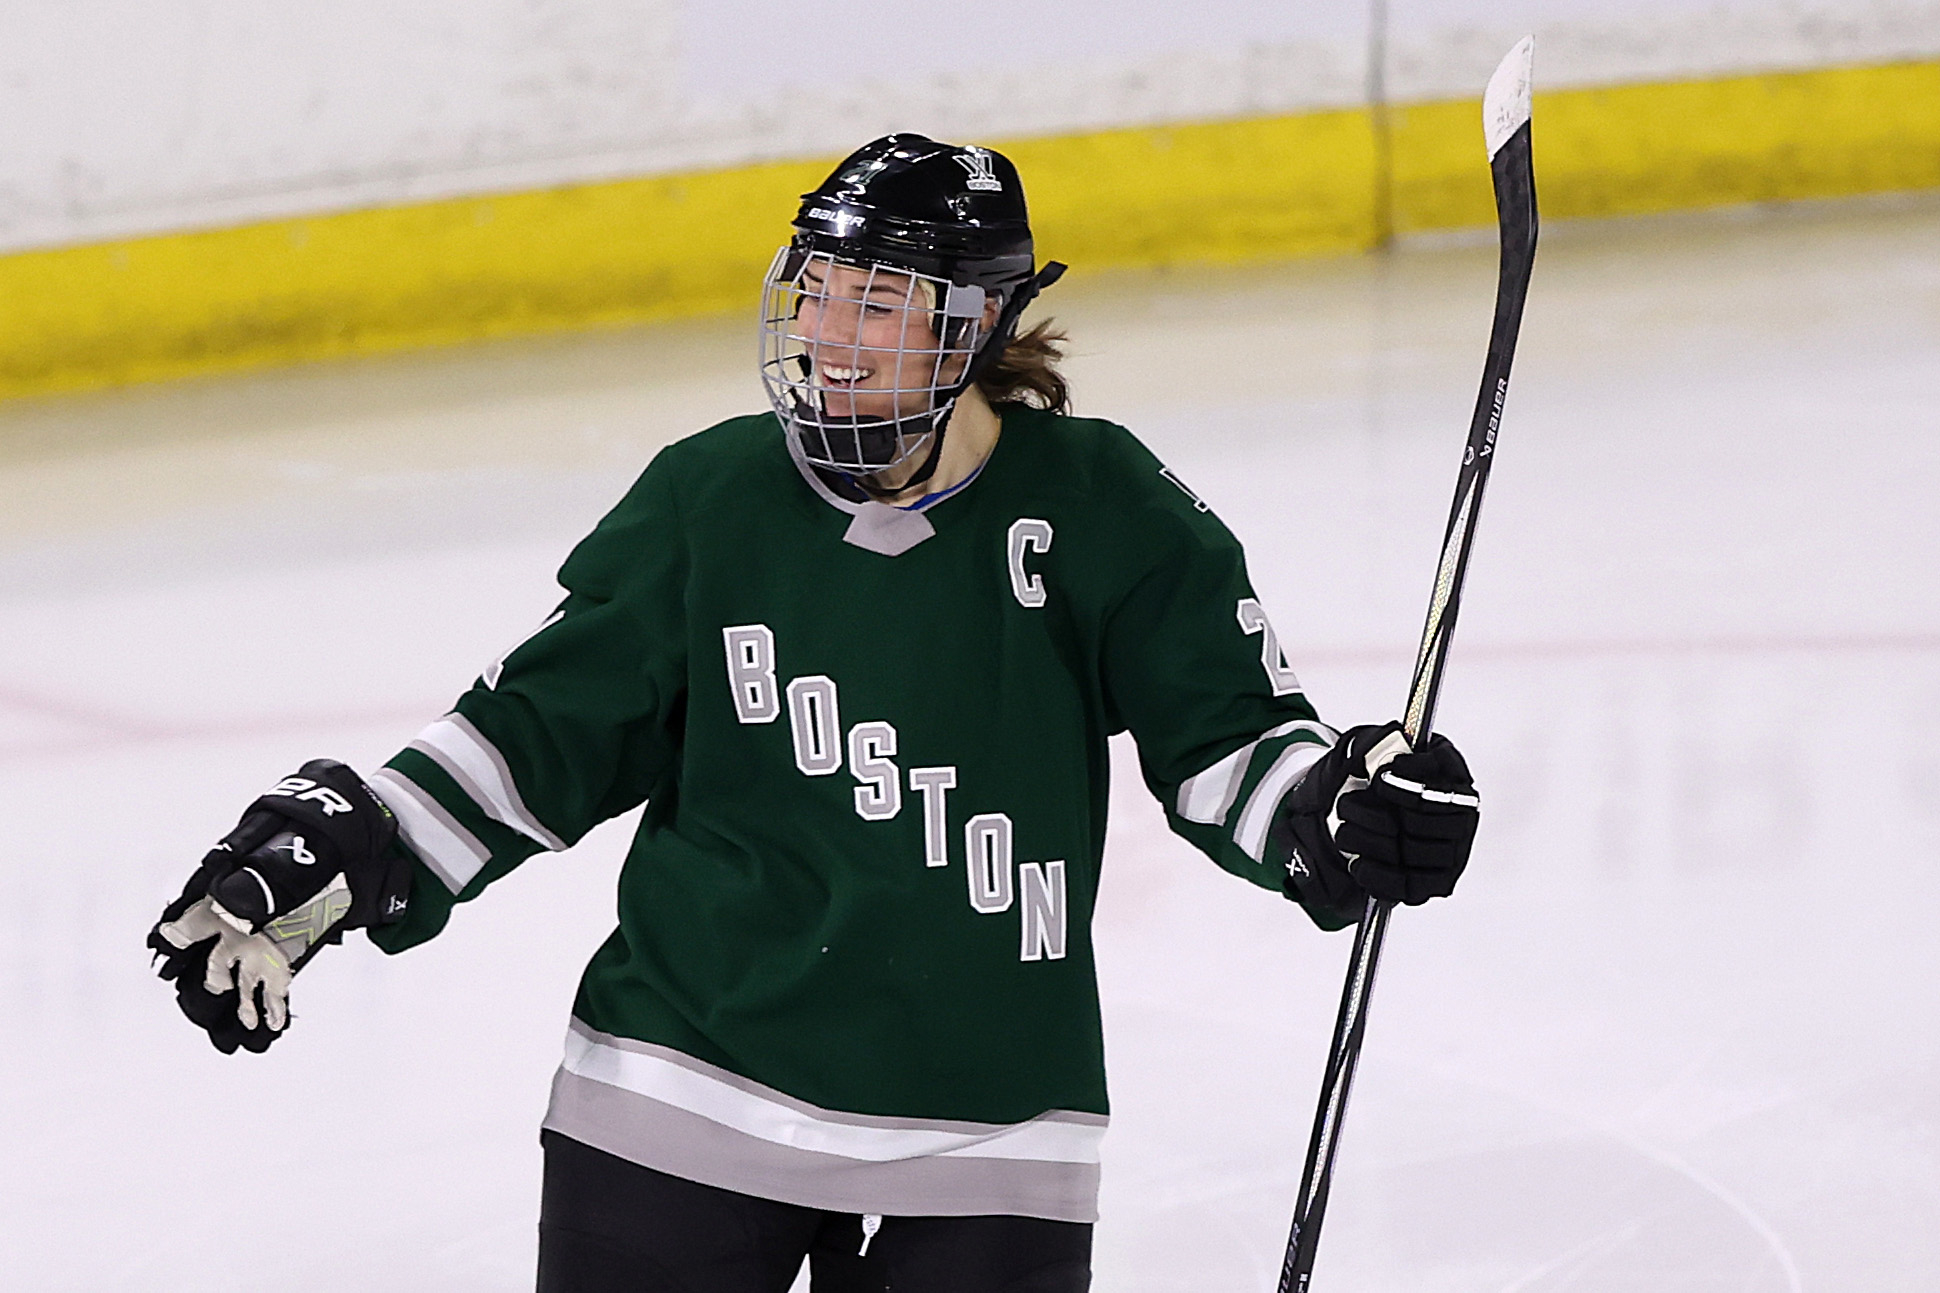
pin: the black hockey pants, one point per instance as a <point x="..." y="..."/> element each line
<point x="610" y="1226"/>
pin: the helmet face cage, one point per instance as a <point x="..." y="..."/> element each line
<point x="840" y="334"/>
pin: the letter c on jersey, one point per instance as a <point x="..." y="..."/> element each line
<point x="1027" y="534"/>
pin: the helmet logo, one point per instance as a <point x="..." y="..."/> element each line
<point x="982" y="178"/>
<point x="844" y="220"/>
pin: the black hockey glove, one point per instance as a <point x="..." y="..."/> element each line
<point x="310" y="859"/>
<point x="1374" y="817"/>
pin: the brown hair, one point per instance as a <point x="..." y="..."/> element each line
<point x="1027" y="372"/>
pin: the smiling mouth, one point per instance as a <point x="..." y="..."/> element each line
<point x="833" y="375"/>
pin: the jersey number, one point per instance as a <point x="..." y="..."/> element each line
<point x="1279" y="672"/>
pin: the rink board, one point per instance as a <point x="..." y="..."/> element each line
<point x="637" y="250"/>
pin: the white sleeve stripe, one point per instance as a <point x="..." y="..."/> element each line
<point x="1207" y="796"/>
<point x="453" y="853"/>
<point x="1257" y="816"/>
<point x="458" y="747"/>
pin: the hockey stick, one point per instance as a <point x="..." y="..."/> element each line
<point x="1505" y="124"/>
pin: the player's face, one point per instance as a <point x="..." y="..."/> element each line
<point x="871" y="336"/>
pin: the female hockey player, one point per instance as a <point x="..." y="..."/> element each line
<point x="860" y="656"/>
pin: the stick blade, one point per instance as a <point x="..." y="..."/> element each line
<point x="1505" y="106"/>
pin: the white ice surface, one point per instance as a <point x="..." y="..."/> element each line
<point x="1677" y="1032"/>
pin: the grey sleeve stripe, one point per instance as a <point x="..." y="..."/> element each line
<point x="458" y="747"/>
<point x="1207" y="796"/>
<point x="1257" y="816"/>
<point x="453" y="853"/>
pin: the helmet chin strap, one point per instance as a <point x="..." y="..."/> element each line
<point x="923" y="472"/>
<point x="861" y="488"/>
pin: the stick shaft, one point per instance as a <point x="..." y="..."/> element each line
<point x="1515" y="192"/>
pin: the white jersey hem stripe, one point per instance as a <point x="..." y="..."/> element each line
<point x="645" y="1131"/>
<point x="768" y="1093"/>
<point x="458" y="747"/>
<point x="453" y="853"/>
<point x="668" y="1077"/>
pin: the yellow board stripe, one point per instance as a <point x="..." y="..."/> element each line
<point x="1635" y="149"/>
<point x="628" y="251"/>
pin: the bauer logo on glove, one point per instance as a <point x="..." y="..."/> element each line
<point x="310" y="859"/>
<point x="328" y="801"/>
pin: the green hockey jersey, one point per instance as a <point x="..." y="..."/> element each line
<point x="853" y="965"/>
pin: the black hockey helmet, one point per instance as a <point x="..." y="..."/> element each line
<point x="955" y="212"/>
<point x="950" y="222"/>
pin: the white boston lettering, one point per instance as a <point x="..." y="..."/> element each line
<point x="815" y="721"/>
<point x="987" y="852"/>
<point x="1027" y="534"/>
<point x="1040" y="893"/>
<point x="879" y="797"/>
<point x="1279" y="672"/>
<point x="751" y="672"/>
<point x="935" y="785"/>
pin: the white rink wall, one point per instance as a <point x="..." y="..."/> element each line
<point x="1440" y="49"/>
<point x="124" y="117"/>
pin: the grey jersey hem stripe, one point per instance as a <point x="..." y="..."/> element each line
<point x="1071" y="1117"/>
<point x="656" y="1135"/>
